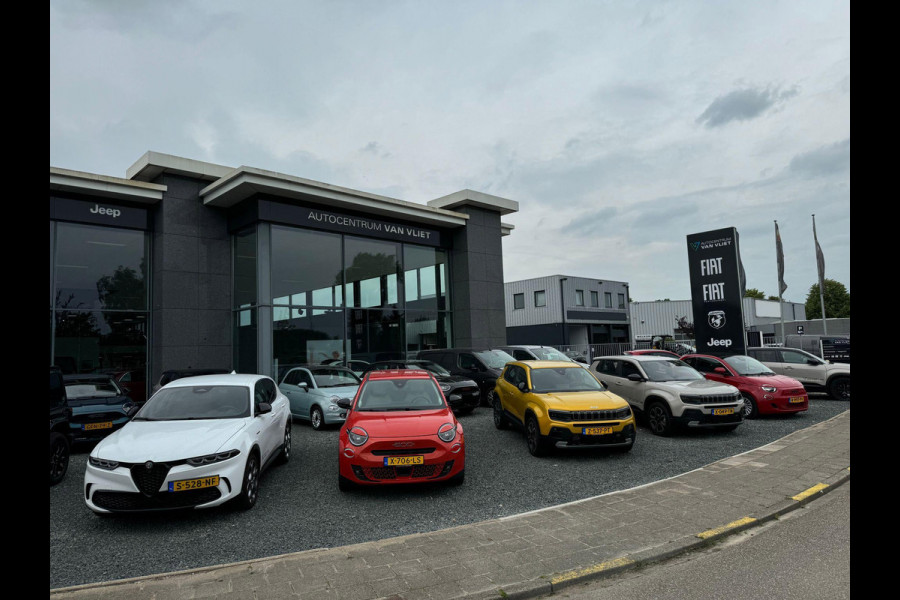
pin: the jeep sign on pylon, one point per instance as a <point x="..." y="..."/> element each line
<point x="716" y="294"/>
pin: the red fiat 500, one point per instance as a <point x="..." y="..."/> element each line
<point x="400" y="429"/>
<point x="764" y="392"/>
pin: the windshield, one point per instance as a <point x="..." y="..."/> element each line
<point x="96" y="388"/>
<point x="400" y="394"/>
<point x="196" y="402"/>
<point x="494" y="359"/>
<point x="326" y="378"/>
<point x="564" y="379"/>
<point x="745" y="365"/>
<point x="550" y="354"/>
<point x="430" y="366"/>
<point x="670" y="370"/>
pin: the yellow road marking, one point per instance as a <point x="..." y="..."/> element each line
<point x="814" y="489"/>
<point x="711" y="532"/>
<point x="604" y="566"/>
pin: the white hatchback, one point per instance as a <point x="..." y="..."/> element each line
<point x="196" y="443"/>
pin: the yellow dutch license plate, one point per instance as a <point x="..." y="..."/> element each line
<point x="723" y="411"/>
<point x="596" y="430"/>
<point x="403" y="461"/>
<point x="93" y="426"/>
<point x="797" y="400"/>
<point x="193" y="484"/>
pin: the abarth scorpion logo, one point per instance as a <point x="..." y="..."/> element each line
<point x="716" y="319"/>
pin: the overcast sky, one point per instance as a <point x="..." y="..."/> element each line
<point x="619" y="127"/>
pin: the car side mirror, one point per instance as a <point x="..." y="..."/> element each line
<point x="522" y="387"/>
<point x="812" y="362"/>
<point x="263" y="408"/>
<point x="721" y="371"/>
<point x="635" y="377"/>
<point x="303" y="386"/>
<point x="345" y="403"/>
<point x="131" y="410"/>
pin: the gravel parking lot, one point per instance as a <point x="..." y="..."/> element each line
<point x="300" y="507"/>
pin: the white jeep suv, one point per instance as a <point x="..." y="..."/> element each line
<point x="815" y="374"/>
<point x="669" y="392"/>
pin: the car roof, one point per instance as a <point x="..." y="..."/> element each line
<point x="219" y="379"/>
<point x="88" y="377"/>
<point x="549" y="364"/>
<point x="399" y="374"/>
<point x="430" y="350"/>
<point x="637" y="357"/>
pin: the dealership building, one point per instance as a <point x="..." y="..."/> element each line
<point x="189" y="264"/>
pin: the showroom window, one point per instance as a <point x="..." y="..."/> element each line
<point x="595" y="299"/>
<point x="607" y="299"/>
<point x="540" y="298"/>
<point x="621" y="300"/>
<point x="518" y="301"/>
<point x="99" y="298"/>
<point x="579" y="297"/>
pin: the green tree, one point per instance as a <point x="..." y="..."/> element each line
<point x="775" y="298"/>
<point x="755" y="293"/>
<point x="837" y="301"/>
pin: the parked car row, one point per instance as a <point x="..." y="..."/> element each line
<point x="203" y="440"/>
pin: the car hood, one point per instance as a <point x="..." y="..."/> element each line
<point x="399" y="424"/>
<point x="700" y="386"/>
<point x="583" y="400"/>
<point x="455" y="379"/>
<point x="160" y="441"/>
<point x="837" y="368"/>
<point x="344" y="391"/>
<point x="779" y="381"/>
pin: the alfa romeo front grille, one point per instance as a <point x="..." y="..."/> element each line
<point x="149" y="480"/>
<point x="127" y="501"/>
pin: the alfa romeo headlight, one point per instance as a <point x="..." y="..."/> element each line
<point x="109" y="465"/>
<point x="199" y="461"/>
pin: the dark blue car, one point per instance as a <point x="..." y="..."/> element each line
<point x="99" y="406"/>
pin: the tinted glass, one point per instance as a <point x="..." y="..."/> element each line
<point x="518" y="301"/>
<point x="371" y="272"/>
<point x="244" y="253"/>
<point x="550" y="354"/>
<point x="196" y="402"/>
<point x="306" y="268"/>
<point x="92" y="388"/>
<point x="670" y="370"/>
<point x="400" y="395"/>
<point x="494" y="359"/>
<point x="745" y="365"/>
<point x="326" y="378"/>
<point x="540" y="298"/>
<point x="100" y="268"/>
<point x="86" y="341"/>
<point x="305" y="336"/>
<point x="564" y="379"/>
<point x="427" y="329"/>
<point x="425" y="278"/>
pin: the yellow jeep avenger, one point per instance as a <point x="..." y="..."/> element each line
<point x="561" y="404"/>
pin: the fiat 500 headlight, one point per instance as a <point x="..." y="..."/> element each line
<point x="447" y="432"/>
<point x="357" y="436"/>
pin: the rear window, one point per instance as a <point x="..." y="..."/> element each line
<point x="92" y="389"/>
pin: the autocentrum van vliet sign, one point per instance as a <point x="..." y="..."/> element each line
<point x="716" y="294"/>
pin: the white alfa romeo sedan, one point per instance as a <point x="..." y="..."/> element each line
<point x="196" y="443"/>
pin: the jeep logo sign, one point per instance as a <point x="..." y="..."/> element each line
<point x="716" y="294"/>
<point x="101" y="210"/>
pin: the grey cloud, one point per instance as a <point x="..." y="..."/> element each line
<point x="742" y="105"/>
<point x="598" y="220"/>
<point x="375" y="149"/>
<point x="825" y="160"/>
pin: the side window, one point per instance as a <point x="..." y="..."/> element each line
<point x="271" y="389"/>
<point x="794" y="358"/>
<point x="126" y="378"/>
<point x="765" y="356"/>
<point x="521" y="355"/>
<point x="628" y="368"/>
<point x="259" y="395"/>
<point x="607" y="367"/>
<point x="467" y="361"/>
<point x="303" y="376"/>
<point x="704" y="365"/>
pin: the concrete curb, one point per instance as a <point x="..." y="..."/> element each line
<point x="545" y="585"/>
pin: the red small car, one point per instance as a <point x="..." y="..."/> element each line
<point x="400" y="429"/>
<point x="764" y="391"/>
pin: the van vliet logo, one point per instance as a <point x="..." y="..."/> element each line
<point x="695" y="245"/>
<point x="101" y="210"/>
<point x="715" y="342"/>
<point x="716" y="319"/>
<point x="708" y="244"/>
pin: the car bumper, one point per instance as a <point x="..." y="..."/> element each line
<point x="571" y="436"/>
<point x="772" y="404"/>
<point x="334" y="415"/>
<point x="108" y="491"/>
<point x="365" y="465"/>
<point x="703" y="417"/>
<point x="463" y="401"/>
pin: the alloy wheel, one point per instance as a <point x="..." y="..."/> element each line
<point x="658" y="419"/>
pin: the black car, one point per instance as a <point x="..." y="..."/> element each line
<point x="99" y="406"/>
<point x="59" y="427"/>
<point x="462" y="393"/>
<point x="171" y="375"/>
<point x="483" y="365"/>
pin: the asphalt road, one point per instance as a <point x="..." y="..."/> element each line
<point x="804" y="554"/>
<point x="300" y="506"/>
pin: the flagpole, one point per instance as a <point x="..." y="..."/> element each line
<point x="779" y="261"/>
<point x="820" y="265"/>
